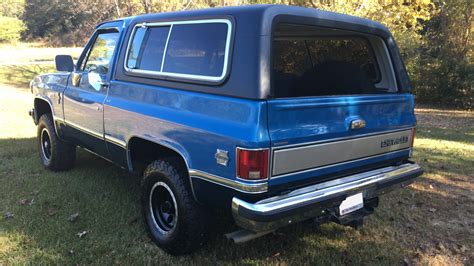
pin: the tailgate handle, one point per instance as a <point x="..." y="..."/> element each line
<point x="357" y="123"/>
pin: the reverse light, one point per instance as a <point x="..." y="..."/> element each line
<point x="252" y="164"/>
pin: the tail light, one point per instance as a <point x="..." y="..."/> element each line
<point x="413" y="132"/>
<point x="252" y="164"/>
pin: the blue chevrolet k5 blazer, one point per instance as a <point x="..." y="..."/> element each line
<point x="275" y="114"/>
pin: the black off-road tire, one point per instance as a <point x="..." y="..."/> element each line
<point x="191" y="225"/>
<point x="57" y="155"/>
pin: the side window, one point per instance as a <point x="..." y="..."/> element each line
<point x="191" y="50"/>
<point x="135" y="47"/>
<point x="98" y="59"/>
<point x="154" y="43"/>
<point x="196" y="49"/>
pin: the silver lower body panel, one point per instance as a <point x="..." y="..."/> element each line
<point x="290" y="160"/>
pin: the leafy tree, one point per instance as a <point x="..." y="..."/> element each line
<point x="12" y="8"/>
<point x="10" y="29"/>
<point x="443" y="72"/>
<point x="65" y="21"/>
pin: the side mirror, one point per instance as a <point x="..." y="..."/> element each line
<point x="64" y="63"/>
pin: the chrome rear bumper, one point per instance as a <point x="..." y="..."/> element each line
<point x="313" y="201"/>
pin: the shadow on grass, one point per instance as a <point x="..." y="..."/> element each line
<point x="21" y="75"/>
<point x="108" y="202"/>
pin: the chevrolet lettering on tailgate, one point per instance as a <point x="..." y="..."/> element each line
<point x="395" y="141"/>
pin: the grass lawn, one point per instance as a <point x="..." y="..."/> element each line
<point x="430" y="222"/>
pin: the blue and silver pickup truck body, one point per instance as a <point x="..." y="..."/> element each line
<point x="212" y="92"/>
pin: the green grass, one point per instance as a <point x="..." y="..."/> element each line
<point x="430" y="222"/>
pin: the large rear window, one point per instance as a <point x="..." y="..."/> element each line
<point x="196" y="50"/>
<point x="312" y="62"/>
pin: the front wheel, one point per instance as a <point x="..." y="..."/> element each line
<point x="55" y="154"/>
<point x="175" y="221"/>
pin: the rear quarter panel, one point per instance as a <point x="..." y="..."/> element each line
<point x="194" y="124"/>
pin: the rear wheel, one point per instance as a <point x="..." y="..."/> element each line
<point x="55" y="154"/>
<point x="176" y="222"/>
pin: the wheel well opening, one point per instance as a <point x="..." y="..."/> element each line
<point x="41" y="108"/>
<point x="143" y="152"/>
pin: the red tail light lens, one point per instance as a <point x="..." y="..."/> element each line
<point x="413" y="133"/>
<point x="252" y="164"/>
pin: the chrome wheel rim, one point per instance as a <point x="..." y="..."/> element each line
<point x="163" y="208"/>
<point x="46" y="144"/>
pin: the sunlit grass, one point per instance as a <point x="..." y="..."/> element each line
<point x="33" y="52"/>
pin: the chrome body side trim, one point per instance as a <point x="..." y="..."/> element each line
<point x="337" y="139"/>
<point x="162" y="74"/>
<point x="278" y="211"/>
<point x="185" y="159"/>
<point x="253" y="188"/>
<point x="86" y="130"/>
<point x="116" y="141"/>
<point x="41" y="97"/>
<point x="55" y="118"/>
<point x="313" y="156"/>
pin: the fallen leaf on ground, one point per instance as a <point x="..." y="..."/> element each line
<point x="432" y="210"/>
<point x="406" y="261"/>
<point x="23" y="202"/>
<point x="28" y="202"/>
<point x="81" y="234"/>
<point x="463" y="248"/>
<point x="8" y="215"/>
<point x="441" y="246"/>
<point x="73" y="217"/>
<point x="52" y="211"/>
<point x="273" y="256"/>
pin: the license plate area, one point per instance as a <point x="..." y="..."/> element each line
<point x="351" y="204"/>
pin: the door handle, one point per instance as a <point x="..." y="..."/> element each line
<point x="99" y="108"/>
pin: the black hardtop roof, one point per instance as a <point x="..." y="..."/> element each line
<point x="249" y="73"/>
<point x="258" y="19"/>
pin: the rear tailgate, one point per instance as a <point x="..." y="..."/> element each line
<point x="312" y="140"/>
